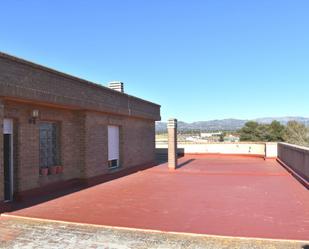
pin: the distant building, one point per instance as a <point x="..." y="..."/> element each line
<point x="191" y="139"/>
<point x="231" y="138"/>
<point x="210" y="134"/>
<point x="57" y="128"/>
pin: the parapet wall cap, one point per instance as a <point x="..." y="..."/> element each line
<point x="172" y="120"/>
<point x="172" y="123"/>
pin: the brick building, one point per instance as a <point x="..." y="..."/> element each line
<point x="57" y="128"/>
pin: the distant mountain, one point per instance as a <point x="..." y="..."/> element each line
<point x="283" y="120"/>
<point x="227" y="124"/>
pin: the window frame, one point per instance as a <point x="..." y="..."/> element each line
<point x="114" y="163"/>
<point x="57" y="157"/>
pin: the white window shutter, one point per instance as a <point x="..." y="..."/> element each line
<point x="113" y="142"/>
<point x="7" y="126"/>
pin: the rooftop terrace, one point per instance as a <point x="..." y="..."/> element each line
<point x="208" y="194"/>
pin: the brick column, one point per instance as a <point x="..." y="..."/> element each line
<point x="172" y="143"/>
<point x="1" y="152"/>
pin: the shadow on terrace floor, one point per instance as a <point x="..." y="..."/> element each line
<point x="162" y="154"/>
<point x="61" y="189"/>
<point x="185" y="163"/>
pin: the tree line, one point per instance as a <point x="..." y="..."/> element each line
<point x="294" y="132"/>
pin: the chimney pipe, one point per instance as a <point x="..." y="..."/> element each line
<point x="116" y="85"/>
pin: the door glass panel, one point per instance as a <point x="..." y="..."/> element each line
<point x="49" y="148"/>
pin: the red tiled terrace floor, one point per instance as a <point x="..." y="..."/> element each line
<point x="220" y="195"/>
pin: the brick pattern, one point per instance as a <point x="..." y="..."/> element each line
<point x="172" y="143"/>
<point x="26" y="144"/>
<point x="137" y="142"/>
<point x="83" y="143"/>
<point x="83" y="111"/>
<point x="22" y="79"/>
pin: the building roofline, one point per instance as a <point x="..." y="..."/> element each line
<point x="68" y="76"/>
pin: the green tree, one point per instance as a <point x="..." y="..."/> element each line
<point x="222" y="136"/>
<point x="296" y="133"/>
<point x="276" y="132"/>
<point x="249" y="132"/>
<point x="255" y="132"/>
<point x="263" y="133"/>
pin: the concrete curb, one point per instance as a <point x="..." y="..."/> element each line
<point x="151" y="230"/>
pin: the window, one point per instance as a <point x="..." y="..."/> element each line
<point x="49" y="144"/>
<point x="113" y="163"/>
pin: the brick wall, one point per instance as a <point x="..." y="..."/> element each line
<point x="137" y="142"/>
<point x="83" y="111"/>
<point x="26" y="144"/>
<point x="25" y="80"/>
<point x="83" y="137"/>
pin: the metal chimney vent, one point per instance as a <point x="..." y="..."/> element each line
<point x="116" y="85"/>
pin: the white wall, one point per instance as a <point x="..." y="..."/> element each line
<point x="271" y="150"/>
<point x="262" y="149"/>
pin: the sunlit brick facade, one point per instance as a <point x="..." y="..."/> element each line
<point x="54" y="119"/>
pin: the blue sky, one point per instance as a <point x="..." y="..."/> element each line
<point x="200" y="60"/>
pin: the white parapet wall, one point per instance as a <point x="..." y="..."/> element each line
<point x="271" y="150"/>
<point x="268" y="150"/>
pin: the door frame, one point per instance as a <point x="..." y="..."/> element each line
<point x="8" y="125"/>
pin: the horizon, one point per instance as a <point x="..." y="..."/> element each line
<point x="203" y="60"/>
<point x="245" y="119"/>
